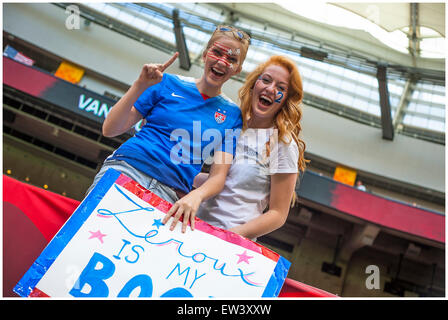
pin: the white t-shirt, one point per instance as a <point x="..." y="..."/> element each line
<point x="246" y="191"/>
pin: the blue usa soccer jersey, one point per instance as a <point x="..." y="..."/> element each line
<point x="181" y="132"/>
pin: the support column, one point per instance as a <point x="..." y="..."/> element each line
<point x="362" y="235"/>
<point x="386" y="114"/>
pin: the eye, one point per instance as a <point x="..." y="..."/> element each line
<point x="281" y="88"/>
<point x="217" y="52"/>
<point x="266" y="80"/>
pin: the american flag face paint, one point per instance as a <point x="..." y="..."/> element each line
<point x="226" y="55"/>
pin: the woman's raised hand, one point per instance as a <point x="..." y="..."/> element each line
<point x="152" y="73"/>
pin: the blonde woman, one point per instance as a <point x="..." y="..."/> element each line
<point x="269" y="154"/>
<point x="175" y="108"/>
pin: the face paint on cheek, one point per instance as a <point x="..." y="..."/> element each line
<point x="214" y="57"/>
<point x="227" y="50"/>
<point x="279" y="99"/>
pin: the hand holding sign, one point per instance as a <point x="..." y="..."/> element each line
<point x="186" y="207"/>
<point x="152" y="73"/>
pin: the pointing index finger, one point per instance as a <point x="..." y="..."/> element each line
<point x="169" y="62"/>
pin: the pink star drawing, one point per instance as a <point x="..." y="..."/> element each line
<point x="244" y="257"/>
<point x="97" y="234"/>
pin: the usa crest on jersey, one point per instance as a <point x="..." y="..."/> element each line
<point x="220" y="117"/>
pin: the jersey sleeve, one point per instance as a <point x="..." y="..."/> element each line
<point x="150" y="97"/>
<point x="284" y="158"/>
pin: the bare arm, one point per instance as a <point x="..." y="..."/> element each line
<point x="282" y="188"/>
<point x="217" y="176"/>
<point x="188" y="205"/>
<point x="123" y="115"/>
<point x="200" y="179"/>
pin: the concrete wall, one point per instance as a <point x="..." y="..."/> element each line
<point x="329" y="136"/>
<point x="317" y="247"/>
<point x="34" y="165"/>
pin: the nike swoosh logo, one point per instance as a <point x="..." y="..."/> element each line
<point x="177" y="96"/>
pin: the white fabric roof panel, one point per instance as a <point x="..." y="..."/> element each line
<point x="393" y="16"/>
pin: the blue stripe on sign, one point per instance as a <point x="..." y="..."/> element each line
<point x="26" y="285"/>
<point x="277" y="279"/>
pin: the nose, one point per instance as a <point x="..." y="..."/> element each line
<point x="223" y="62"/>
<point x="271" y="87"/>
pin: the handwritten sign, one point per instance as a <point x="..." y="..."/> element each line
<point x="114" y="245"/>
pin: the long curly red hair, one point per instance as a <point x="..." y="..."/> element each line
<point x="287" y="120"/>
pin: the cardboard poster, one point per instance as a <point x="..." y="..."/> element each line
<point x="114" y="245"/>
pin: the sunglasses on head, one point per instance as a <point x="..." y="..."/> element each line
<point x="239" y="33"/>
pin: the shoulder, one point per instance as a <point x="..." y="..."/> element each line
<point x="289" y="147"/>
<point x="284" y="158"/>
<point x="222" y="98"/>
<point x="231" y="108"/>
<point x="177" y="79"/>
<point x="289" y="143"/>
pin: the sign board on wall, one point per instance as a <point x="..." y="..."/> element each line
<point x="56" y="91"/>
<point x="69" y="72"/>
<point x="114" y="245"/>
<point x="345" y="175"/>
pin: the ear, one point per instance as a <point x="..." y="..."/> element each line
<point x="204" y="54"/>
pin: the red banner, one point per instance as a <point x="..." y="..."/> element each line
<point x="31" y="217"/>
<point x="47" y="210"/>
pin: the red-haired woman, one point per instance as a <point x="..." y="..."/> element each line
<point x="269" y="154"/>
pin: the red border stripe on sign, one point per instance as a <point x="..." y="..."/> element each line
<point x="36" y="293"/>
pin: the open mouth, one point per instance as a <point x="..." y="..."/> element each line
<point x="217" y="72"/>
<point x="265" y="100"/>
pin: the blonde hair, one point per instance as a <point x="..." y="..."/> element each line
<point x="287" y="120"/>
<point x="232" y="33"/>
